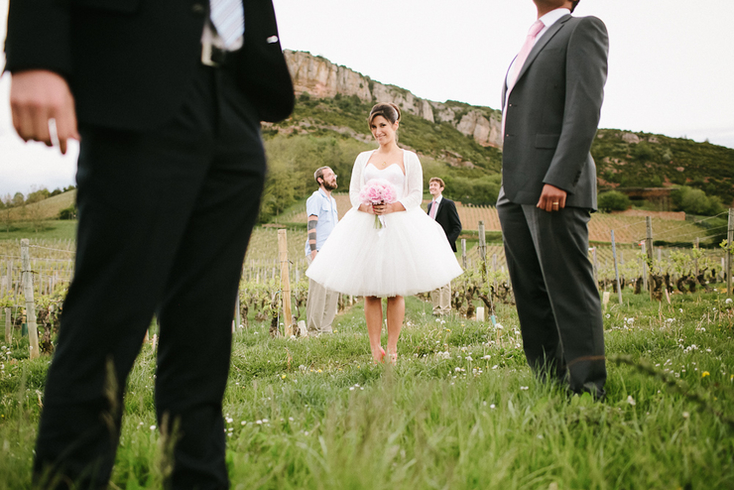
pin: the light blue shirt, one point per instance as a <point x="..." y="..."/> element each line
<point x="324" y="207"/>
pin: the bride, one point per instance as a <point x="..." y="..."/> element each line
<point x="407" y="252"/>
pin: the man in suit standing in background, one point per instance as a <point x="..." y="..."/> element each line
<point x="322" y="217"/>
<point x="444" y="212"/>
<point x="552" y="100"/>
<point x="166" y="98"/>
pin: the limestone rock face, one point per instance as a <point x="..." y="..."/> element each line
<point x="630" y="138"/>
<point x="321" y="78"/>
<point x="486" y="132"/>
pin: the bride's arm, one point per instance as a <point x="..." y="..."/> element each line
<point x="414" y="194"/>
<point x="355" y="184"/>
<point x="414" y="176"/>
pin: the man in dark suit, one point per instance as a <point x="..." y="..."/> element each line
<point x="551" y="108"/>
<point x="444" y="212"/>
<point x="170" y="172"/>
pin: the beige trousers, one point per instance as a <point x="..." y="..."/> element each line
<point x="441" y="299"/>
<point x="321" y="305"/>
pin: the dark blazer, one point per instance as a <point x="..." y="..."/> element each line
<point x="553" y="112"/>
<point x="448" y="218"/>
<point x="160" y="43"/>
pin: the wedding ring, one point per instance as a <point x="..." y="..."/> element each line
<point x="555" y="203"/>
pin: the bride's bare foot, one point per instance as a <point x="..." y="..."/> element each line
<point x="392" y="358"/>
<point x="381" y="357"/>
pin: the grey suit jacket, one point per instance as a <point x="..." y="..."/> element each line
<point x="552" y="114"/>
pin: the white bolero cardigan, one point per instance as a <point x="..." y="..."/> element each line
<point x="412" y="189"/>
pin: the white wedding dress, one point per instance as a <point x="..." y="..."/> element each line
<point x="410" y="254"/>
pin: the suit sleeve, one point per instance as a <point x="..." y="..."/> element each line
<point x="455" y="222"/>
<point x="586" y="74"/>
<point x="38" y="36"/>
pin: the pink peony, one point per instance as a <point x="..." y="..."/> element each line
<point x="378" y="191"/>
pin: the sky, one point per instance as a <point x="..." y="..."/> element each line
<point x="670" y="63"/>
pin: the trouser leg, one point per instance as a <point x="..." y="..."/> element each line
<point x="196" y="311"/>
<point x="320" y="307"/>
<point x="441" y="300"/>
<point x="130" y="218"/>
<point x="562" y="245"/>
<point x="196" y="322"/>
<point x="445" y="299"/>
<point x="541" y="341"/>
<point x="436" y="301"/>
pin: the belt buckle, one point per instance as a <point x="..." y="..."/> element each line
<point x="207" y="50"/>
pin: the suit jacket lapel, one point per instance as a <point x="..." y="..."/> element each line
<point x="540" y="44"/>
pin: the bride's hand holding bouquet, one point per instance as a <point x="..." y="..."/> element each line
<point x="377" y="195"/>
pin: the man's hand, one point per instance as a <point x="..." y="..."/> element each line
<point x="313" y="254"/>
<point x="552" y="199"/>
<point x="36" y="97"/>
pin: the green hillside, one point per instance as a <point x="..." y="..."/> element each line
<point x="332" y="131"/>
<point x="658" y="160"/>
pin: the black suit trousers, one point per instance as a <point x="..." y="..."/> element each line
<point x="164" y="221"/>
<point x="556" y="295"/>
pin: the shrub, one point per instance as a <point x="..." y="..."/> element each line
<point x="613" y="201"/>
<point x="695" y="201"/>
<point x="68" y="213"/>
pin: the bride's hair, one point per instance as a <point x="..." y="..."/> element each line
<point x="388" y="110"/>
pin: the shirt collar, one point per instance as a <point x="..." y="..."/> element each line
<point x="323" y="193"/>
<point x="438" y="199"/>
<point x="553" y="16"/>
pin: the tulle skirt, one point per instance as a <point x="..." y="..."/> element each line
<point x="409" y="255"/>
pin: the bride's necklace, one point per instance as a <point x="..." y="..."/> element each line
<point x="383" y="165"/>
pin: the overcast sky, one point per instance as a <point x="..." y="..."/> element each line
<point x="670" y="63"/>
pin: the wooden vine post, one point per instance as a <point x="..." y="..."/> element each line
<point x="285" y="282"/>
<point x="729" y="250"/>
<point x="8" y="327"/>
<point x="30" y="306"/>
<point x="463" y="253"/>
<point x="648" y="247"/>
<point x="482" y="244"/>
<point x="616" y="269"/>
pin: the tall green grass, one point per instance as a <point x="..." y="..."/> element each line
<point x="461" y="410"/>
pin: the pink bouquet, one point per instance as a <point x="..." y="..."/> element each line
<point x="377" y="191"/>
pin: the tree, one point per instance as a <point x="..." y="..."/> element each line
<point x="613" y="201"/>
<point x="7" y="201"/>
<point x="695" y="201"/>
<point x="18" y="199"/>
<point x="37" y="195"/>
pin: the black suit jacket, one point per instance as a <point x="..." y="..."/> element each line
<point x="448" y="218"/>
<point x="552" y="114"/>
<point x="129" y="63"/>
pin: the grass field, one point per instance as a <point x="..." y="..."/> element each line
<point x="47" y="230"/>
<point x="459" y="411"/>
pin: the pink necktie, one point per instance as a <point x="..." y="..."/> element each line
<point x="523" y="54"/>
<point x="434" y="208"/>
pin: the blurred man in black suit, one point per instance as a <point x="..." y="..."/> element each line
<point x="167" y="106"/>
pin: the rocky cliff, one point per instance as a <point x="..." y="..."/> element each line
<point x="321" y="78"/>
